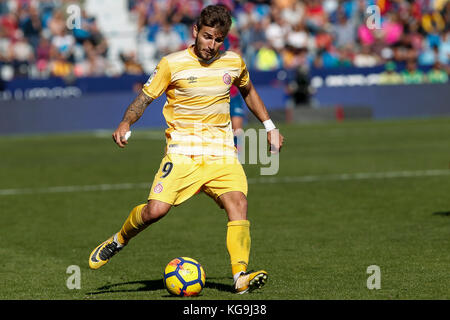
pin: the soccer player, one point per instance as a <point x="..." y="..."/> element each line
<point x="200" y="152"/>
<point x="237" y="116"/>
<point x="237" y="113"/>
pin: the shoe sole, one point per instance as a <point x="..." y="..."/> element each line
<point x="257" y="282"/>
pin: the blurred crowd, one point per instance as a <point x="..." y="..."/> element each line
<point x="36" y="42"/>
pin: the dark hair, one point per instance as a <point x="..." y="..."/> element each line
<point x="215" y="16"/>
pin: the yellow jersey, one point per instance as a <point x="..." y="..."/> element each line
<point x="197" y="110"/>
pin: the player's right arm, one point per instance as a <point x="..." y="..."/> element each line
<point x="134" y="111"/>
<point x="153" y="88"/>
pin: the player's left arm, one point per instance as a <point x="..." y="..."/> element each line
<point x="257" y="107"/>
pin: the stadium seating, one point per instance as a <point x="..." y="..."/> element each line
<point x="309" y="33"/>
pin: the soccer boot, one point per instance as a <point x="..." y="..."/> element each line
<point x="250" y="281"/>
<point x="101" y="255"/>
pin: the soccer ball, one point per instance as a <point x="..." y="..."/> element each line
<point x="184" y="276"/>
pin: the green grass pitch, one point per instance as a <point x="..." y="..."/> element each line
<point x="347" y="196"/>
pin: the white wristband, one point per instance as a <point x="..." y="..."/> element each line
<point x="268" y="124"/>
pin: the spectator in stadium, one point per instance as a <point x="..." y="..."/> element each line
<point x="446" y="14"/>
<point x="391" y="28"/>
<point x="437" y="74"/>
<point x="365" y="35"/>
<point x="267" y="59"/>
<point x="32" y="26"/>
<point x="96" y="63"/>
<point x="365" y="58"/>
<point x="3" y="7"/>
<point x="276" y="33"/>
<point x="5" y="43"/>
<point x="63" y="44"/>
<point x="59" y="66"/>
<point x="325" y="49"/>
<point x="93" y="64"/>
<point x="404" y="51"/>
<point x="189" y="11"/>
<point x="390" y="75"/>
<point x="412" y="31"/>
<point x="316" y="17"/>
<point x="97" y="39"/>
<point x="297" y="44"/>
<point x="256" y="38"/>
<point x="433" y="23"/>
<point x="293" y="12"/>
<point x="167" y="40"/>
<point x="412" y="75"/>
<point x="179" y="27"/>
<point x="22" y="54"/>
<point x="344" y="31"/>
<point x="140" y="10"/>
<point x="10" y="24"/>
<point x="298" y="36"/>
<point x="293" y="57"/>
<point x="346" y="56"/>
<point x="245" y="16"/>
<point x="131" y="65"/>
<point x="444" y="49"/>
<point x="43" y="55"/>
<point x="56" y="23"/>
<point x="84" y="31"/>
<point x="430" y="56"/>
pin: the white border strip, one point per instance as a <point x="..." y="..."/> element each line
<point x="292" y="179"/>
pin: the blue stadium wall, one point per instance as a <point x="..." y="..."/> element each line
<point x="357" y="87"/>
<point x="388" y="102"/>
<point x="53" y="105"/>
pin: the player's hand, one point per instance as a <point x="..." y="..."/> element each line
<point x="119" y="135"/>
<point x="275" y="140"/>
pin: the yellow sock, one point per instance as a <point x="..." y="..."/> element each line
<point x="238" y="245"/>
<point x="132" y="226"/>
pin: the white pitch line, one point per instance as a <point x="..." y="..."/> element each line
<point x="149" y="135"/>
<point x="292" y="179"/>
<point x="96" y="187"/>
<point x="352" y="176"/>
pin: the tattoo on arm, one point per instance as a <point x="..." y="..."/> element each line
<point x="136" y="109"/>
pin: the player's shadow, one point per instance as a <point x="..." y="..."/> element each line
<point x="218" y="286"/>
<point x="442" y="213"/>
<point x="144" y="285"/>
<point x="152" y="285"/>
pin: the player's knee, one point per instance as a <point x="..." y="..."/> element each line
<point x="154" y="210"/>
<point x="242" y="205"/>
<point x="238" y="209"/>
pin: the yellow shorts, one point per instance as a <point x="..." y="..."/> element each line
<point x="181" y="176"/>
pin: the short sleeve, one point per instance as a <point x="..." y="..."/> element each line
<point x="158" y="82"/>
<point x="244" y="76"/>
